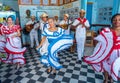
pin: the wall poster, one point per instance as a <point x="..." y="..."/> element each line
<point x="104" y="15"/>
<point x="73" y="13"/>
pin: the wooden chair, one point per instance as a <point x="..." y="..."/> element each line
<point x="89" y="38"/>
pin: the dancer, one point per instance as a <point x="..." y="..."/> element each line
<point x="56" y="20"/>
<point x="13" y="43"/>
<point x="43" y="25"/>
<point x="106" y="55"/>
<point x="58" y="41"/>
<point x="81" y="24"/>
<point x="3" y="54"/>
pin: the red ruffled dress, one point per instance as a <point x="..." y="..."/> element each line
<point x="106" y="55"/>
<point x="13" y="45"/>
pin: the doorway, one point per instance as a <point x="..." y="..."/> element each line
<point x="89" y="11"/>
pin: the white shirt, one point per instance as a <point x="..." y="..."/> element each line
<point x="80" y="29"/>
<point x="42" y="25"/>
<point x="67" y="32"/>
<point x="57" y="22"/>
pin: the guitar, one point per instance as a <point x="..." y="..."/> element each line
<point x="30" y="26"/>
<point x="64" y="26"/>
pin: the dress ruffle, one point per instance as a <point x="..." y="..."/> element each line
<point x="106" y="52"/>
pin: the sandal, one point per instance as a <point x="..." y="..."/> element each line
<point x="49" y="70"/>
<point x="54" y="72"/>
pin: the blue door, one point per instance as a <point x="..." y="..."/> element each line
<point x="89" y="12"/>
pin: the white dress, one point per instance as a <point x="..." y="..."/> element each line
<point x="13" y="45"/>
<point x="106" y="55"/>
<point x="3" y="54"/>
<point x="57" y="41"/>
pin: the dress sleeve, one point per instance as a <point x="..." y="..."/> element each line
<point x="4" y="30"/>
<point x="17" y="27"/>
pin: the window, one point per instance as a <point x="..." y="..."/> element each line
<point x="25" y="1"/>
<point x="38" y="2"/>
<point x="60" y="2"/>
<point x="45" y="2"/>
<point x="54" y="2"/>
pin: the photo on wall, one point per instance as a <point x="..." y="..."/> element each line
<point x="39" y="13"/>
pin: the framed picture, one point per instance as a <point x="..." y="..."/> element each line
<point x="39" y="13"/>
<point x="45" y="2"/>
<point x="25" y="1"/>
<point x="54" y="2"/>
<point x="61" y="2"/>
<point x="89" y="38"/>
<point x="38" y="2"/>
<point x="76" y="10"/>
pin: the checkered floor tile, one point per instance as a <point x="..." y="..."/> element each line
<point x="35" y="72"/>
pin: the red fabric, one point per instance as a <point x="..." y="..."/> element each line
<point x="11" y="52"/>
<point x="7" y="30"/>
<point x="1" y="24"/>
<point x="114" y="38"/>
<point x="8" y="40"/>
<point x="82" y="21"/>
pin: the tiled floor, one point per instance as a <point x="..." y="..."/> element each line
<point x="35" y="72"/>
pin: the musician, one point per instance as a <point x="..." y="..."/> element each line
<point x="65" y="24"/>
<point x="44" y="24"/>
<point x="81" y="24"/>
<point x="56" y="20"/>
<point x="12" y="45"/>
<point x="33" y="31"/>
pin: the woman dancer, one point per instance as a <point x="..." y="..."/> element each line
<point x="106" y="55"/>
<point x="3" y="54"/>
<point x="57" y="41"/>
<point x="13" y="43"/>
